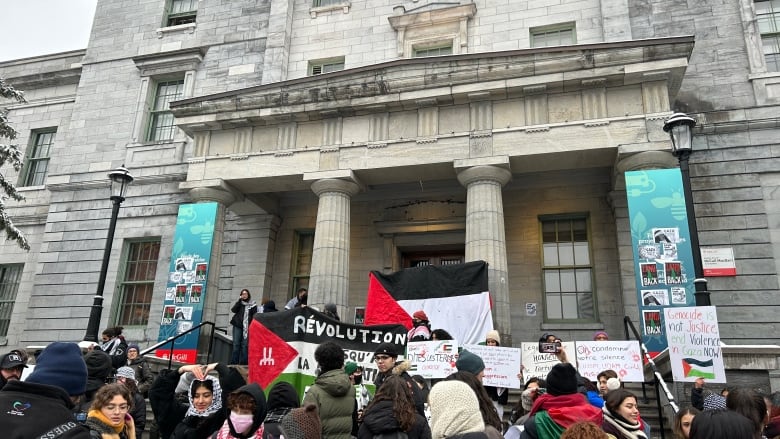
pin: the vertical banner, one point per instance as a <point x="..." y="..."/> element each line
<point x="694" y="344"/>
<point x="663" y="260"/>
<point x="185" y="292"/>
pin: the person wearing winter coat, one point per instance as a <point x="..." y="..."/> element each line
<point x="621" y="416"/>
<point x="392" y="411"/>
<point x="499" y="395"/>
<point x="126" y="376"/>
<point x="455" y="412"/>
<point x="99" y="368"/>
<point x="281" y="400"/>
<point x="115" y="346"/>
<point x="333" y="394"/>
<point x="204" y="414"/>
<point x="141" y="369"/>
<point x="109" y="416"/>
<point x="247" y="411"/>
<point x="385" y="359"/>
<point x="243" y="311"/>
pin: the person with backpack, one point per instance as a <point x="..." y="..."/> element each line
<point x="392" y="414"/>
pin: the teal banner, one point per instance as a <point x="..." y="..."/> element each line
<point x="187" y="279"/>
<point x="663" y="260"/>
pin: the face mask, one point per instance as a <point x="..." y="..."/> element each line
<point x="358" y="379"/>
<point x="241" y="423"/>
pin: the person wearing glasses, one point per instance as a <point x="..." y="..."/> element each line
<point x="386" y="364"/>
<point x="109" y="417"/>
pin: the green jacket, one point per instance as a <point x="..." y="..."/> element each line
<point x="334" y="396"/>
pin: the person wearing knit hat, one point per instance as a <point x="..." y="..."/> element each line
<point x="493" y="338"/>
<point x="560" y="407"/>
<point x="454" y="410"/>
<point x="143" y="372"/>
<point x="43" y="403"/>
<point x="600" y="336"/>
<point x="421" y="327"/>
<point x="355" y="373"/>
<point x="125" y="375"/>
<point x="499" y="395"/>
<point x="302" y="423"/>
<point x="99" y="368"/>
<point x="470" y="363"/>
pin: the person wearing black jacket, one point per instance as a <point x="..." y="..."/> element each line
<point x="243" y="311"/>
<point x="392" y="411"/>
<point x="205" y="413"/>
<point x="385" y="356"/>
<point x="281" y="399"/>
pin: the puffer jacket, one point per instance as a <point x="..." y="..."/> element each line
<point x="380" y="420"/>
<point x="334" y="397"/>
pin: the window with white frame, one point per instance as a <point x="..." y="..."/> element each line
<point x="768" y="19"/>
<point x="567" y="269"/>
<point x="555" y="35"/>
<point x="10" y="278"/>
<point x="181" y="12"/>
<point x="137" y="285"/>
<point x="161" y="122"/>
<point x="320" y="3"/>
<point x="321" y="66"/>
<point x="433" y="50"/>
<point x="37" y="161"/>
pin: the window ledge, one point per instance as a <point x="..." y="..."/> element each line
<point x="573" y="326"/>
<point x="320" y="9"/>
<point x="766" y="75"/>
<point x="188" y="28"/>
<point x="31" y="188"/>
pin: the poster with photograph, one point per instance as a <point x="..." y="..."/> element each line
<point x="184" y="264"/>
<point x="673" y="273"/>
<point x="201" y="270"/>
<point x="666" y="235"/>
<point x="181" y="292"/>
<point x="649" y="274"/>
<point x="196" y="290"/>
<point x="652" y="321"/>
<point x="183" y="313"/>
<point x="648" y="252"/>
<point x="183" y="326"/>
<point x="655" y="297"/>
<point x="167" y="317"/>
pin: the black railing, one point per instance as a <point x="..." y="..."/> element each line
<point x="177" y="336"/>
<point x="658" y="380"/>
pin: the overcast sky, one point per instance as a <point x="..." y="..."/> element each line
<point x="38" y="27"/>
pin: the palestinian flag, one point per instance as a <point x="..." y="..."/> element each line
<point x="282" y="345"/>
<point x="454" y="297"/>
<point x="698" y="368"/>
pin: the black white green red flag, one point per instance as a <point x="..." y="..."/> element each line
<point x="454" y="297"/>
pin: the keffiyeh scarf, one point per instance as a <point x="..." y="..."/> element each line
<point x="216" y="403"/>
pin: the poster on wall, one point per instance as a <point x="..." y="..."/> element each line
<point x="186" y="290"/>
<point x="663" y="258"/>
<point x="694" y="344"/>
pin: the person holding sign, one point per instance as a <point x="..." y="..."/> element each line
<point x="499" y="395"/>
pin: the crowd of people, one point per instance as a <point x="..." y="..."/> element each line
<point x="101" y="392"/>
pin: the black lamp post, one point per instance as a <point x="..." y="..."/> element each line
<point x="120" y="179"/>
<point x="680" y="129"/>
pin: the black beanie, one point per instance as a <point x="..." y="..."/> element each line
<point x="283" y="395"/>
<point x="562" y="380"/>
<point x="98" y="369"/>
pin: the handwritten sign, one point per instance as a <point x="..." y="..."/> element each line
<point x="501" y="365"/>
<point x="694" y="343"/>
<point x="624" y="357"/>
<point x="539" y="365"/>
<point x="432" y="359"/>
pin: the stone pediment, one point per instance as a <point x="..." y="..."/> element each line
<point x="403" y="84"/>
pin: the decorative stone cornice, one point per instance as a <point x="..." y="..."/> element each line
<point x="96" y="184"/>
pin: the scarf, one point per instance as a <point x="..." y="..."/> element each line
<point x="224" y="433"/>
<point x="216" y="403"/>
<point x="98" y="422"/>
<point x="110" y="346"/>
<point x="275" y="416"/>
<point x="245" y="325"/>
<point x="622" y="426"/>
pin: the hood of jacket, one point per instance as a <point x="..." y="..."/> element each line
<point x="258" y="416"/>
<point x="283" y="395"/>
<point x="380" y="419"/>
<point x="335" y="382"/>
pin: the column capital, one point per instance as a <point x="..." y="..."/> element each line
<point x="484" y="172"/>
<point x="212" y="190"/>
<point x="347" y="187"/>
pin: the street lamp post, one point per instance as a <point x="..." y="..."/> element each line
<point x="680" y="129"/>
<point x="120" y="179"/>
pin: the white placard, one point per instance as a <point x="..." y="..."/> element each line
<point x="694" y="343"/>
<point x="501" y="365"/>
<point x="432" y="359"/>
<point x="624" y="357"/>
<point x="539" y="365"/>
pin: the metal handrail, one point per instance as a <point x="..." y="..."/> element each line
<point x="170" y="340"/>
<point x="658" y="380"/>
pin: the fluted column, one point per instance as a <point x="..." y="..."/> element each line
<point x="486" y="236"/>
<point x="329" y="278"/>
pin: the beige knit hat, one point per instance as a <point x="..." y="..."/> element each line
<point x="493" y="335"/>
<point x="454" y="410"/>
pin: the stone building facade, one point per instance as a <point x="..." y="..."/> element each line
<point x="336" y="143"/>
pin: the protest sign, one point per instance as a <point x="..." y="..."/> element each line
<point x="694" y="344"/>
<point x="432" y="359"/>
<point x="624" y="357"/>
<point x="501" y="365"/>
<point x="536" y="364"/>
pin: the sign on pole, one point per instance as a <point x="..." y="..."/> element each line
<point x="694" y="344"/>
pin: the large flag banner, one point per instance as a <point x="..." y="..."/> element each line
<point x="432" y="359"/>
<point x="694" y="344"/>
<point x="282" y="345"/>
<point x="624" y="357"/>
<point x="454" y="297"/>
<point x="537" y="364"/>
<point x="185" y="292"/>
<point x="501" y="365"/>
<point x="663" y="259"/>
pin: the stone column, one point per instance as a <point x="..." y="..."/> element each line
<point x="329" y="278"/>
<point x="486" y="236"/>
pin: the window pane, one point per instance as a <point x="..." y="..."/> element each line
<point x="554" y="309"/>
<point x="161" y="125"/>
<point x="581" y="253"/>
<point x="568" y="282"/>
<point x="552" y="281"/>
<point x="38" y="159"/>
<point x="548" y="232"/>
<point x="583" y="280"/>
<point x="137" y="287"/>
<point x="569" y="304"/>
<point x="10" y="278"/>
<point x="587" y="311"/>
<point x="550" y="254"/>
<point x="566" y="253"/>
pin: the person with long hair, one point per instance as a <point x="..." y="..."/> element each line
<point x="486" y="408"/>
<point x="243" y="311"/>
<point x="125" y="375"/>
<point x="115" y="346"/>
<point x="247" y="412"/>
<point x="721" y="424"/>
<point x="682" y="422"/>
<point x="393" y="410"/>
<point x="109" y="416"/>
<point x="621" y="415"/>
<point x="204" y="413"/>
<point x="750" y="404"/>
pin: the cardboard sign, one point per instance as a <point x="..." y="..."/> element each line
<point x="539" y="365"/>
<point x="501" y="365"/>
<point x="694" y="344"/>
<point x="624" y="357"/>
<point x="432" y="359"/>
